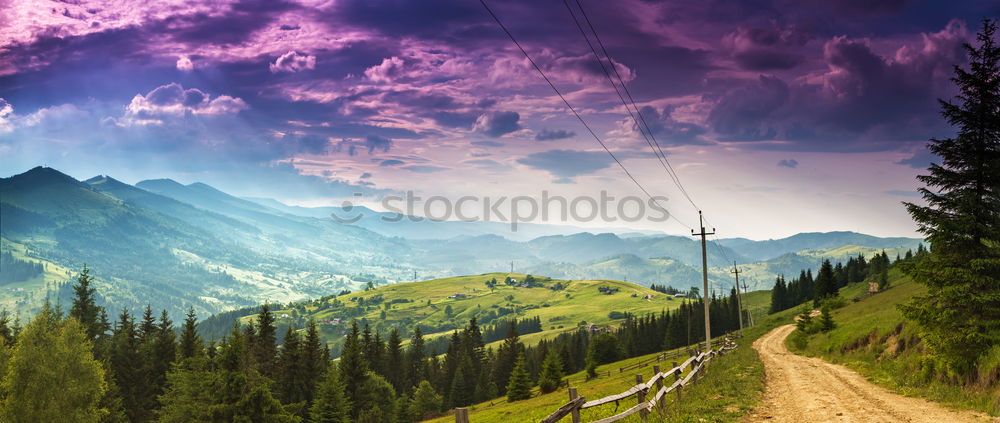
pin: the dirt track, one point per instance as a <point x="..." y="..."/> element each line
<point x="803" y="389"/>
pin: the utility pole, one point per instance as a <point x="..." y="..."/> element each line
<point x="739" y="298"/>
<point x="512" y="266"/>
<point x="704" y="277"/>
<point x="749" y="313"/>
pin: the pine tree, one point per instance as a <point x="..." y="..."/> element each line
<point x="330" y="404"/>
<point x="519" y="386"/>
<point x="264" y="346"/>
<point x="507" y="356"/>
<point x="190" y="344"/>
<point x="461" y="392"/>
<point x="826" y="285"/>
<point x="51" y="375"/>
<point x="353" y="368"/>
<point x="394" y="361"/>
<point x="416" y="359"/>
<point x="162" y="353"/>
<point x="126" y="362"/>
<point x="290" y="388"/>
<point x="552" y="372"/>
<point x="316" y="359"/>
<point x="426" y="403"/>
<point x="826" y="320"/>
<point x="85" y="308"/>
<point x="959" y="318"/>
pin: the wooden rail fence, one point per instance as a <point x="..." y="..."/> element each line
<point x="656" y="385"/>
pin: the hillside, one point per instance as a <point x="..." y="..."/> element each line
<point x="874" y="339"/>
<point x="561" y="305"/>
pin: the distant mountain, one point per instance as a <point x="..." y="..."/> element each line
<point x="410" y="227"/>
<point x="172" y="246"/>
<point x="764" y="250"/>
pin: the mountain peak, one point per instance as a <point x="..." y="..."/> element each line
<point x="43" y="175"/>
<point x="103" y="179"/>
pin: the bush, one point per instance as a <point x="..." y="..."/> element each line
<point x="798" y="340"/>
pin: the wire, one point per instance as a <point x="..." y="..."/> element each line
<point x="659" y="154"/>
<point x="621" y="81"/>
<point x="570" y="107"/>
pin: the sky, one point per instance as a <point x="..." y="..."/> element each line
<point x="777" y="116"/>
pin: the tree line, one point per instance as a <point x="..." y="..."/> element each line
<point x="141" y="368"/>
<point x="830" y="278"/>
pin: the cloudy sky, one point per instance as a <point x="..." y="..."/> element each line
<point x="779" y="116"/>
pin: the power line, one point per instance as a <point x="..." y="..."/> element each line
<point x="659" y="154"/>
<point x="673" y="173"/>
<point x="570" y="107"/>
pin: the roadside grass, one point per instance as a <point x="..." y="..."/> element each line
<point x="874" y="339"/>
<point x="732" y="386"/>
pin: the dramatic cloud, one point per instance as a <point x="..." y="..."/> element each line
<point x="496" y="124"/>
<point x="862" y="98"/>
<point x="767" y="48"/>
<point x="293" y="62"/>
<point x="664" y="127"/>
<point x="789" y="163"/>
<point x="173" y="102"/>
<point x="567" y="163"/>
<point x="550" y="135"/>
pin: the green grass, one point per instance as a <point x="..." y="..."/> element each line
<point x="874" y="339"/>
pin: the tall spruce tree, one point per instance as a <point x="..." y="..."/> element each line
<point x="959" y="317"/>
<point x="394" y="361"/>
<point x="126" y="362"/>
<point x="330" y="404"/>
<point x="552" y="372"/>
<point x="519" y="385"/>
<point x="190" y="343"/>
<point x="353" y="368"/>
<point x="264" y="348"/>
<point x="85" y="308"/>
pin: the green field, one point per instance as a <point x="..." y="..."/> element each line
<point x="874" y="339"/>
<point x="24" y="297"/>
<point x="426" y="303"/>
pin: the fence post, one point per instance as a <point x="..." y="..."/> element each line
<point x="696" y="371"/>
<point x="659" y="386"/>
<point x="677" y="376"/>
<point x="641" y="397"/>
<point x="461" y="415"/>
<point x="576" y="411"/>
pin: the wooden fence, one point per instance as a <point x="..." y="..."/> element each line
<point x="657" y="385"/>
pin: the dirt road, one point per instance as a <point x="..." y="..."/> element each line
<point x="803" y="389"/>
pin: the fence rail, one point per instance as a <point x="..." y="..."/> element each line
<point x="639" y="390"/>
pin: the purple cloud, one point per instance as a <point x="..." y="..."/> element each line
<point x="293" y="62"/>
<point x="567" y="163"/>
<point x="496" y="124"/>
<point x="553" y="134"/>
